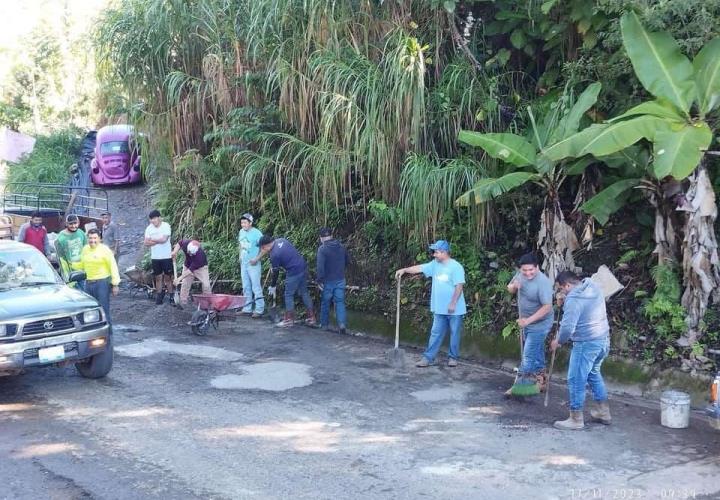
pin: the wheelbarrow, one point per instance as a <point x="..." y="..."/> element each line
<point x="210" y="307"/>
<point x="142" y="281"/>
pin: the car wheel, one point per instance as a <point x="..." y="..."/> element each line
<point x="200" y="323"/>
<point x="98" y="365"/>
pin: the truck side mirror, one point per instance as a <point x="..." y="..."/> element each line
<point x="76" y="276"/>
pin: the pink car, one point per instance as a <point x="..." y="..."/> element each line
<point x="117" y="156"/>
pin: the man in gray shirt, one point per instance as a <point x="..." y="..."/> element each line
<point x="110" y="234"/>
<point x="535" y="310"/>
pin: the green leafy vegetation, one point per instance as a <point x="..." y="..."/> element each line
<point x="50" y="160"/>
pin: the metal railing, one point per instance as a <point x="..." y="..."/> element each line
<point x="25" y="197"/>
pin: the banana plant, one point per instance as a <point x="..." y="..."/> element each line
<point x="675" y="122"/>
<point x="527" y="163"/>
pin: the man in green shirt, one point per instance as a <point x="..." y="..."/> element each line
<point x="69" y="245"/>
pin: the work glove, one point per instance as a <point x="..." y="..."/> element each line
<point x="272" y="291"/>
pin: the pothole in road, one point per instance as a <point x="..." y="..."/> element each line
<point x="270" y="376"/>
<point x="442" y="393"/>
<point x="154" y="346"/>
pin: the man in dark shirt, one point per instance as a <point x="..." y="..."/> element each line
<point x="283" y="255"/>
<point x="195" y="266"/>
<point x="332" y="259"/>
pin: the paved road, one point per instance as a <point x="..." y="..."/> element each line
<point x="252" y="411"/>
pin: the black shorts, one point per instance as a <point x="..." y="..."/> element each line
<point x="162" y="266"/>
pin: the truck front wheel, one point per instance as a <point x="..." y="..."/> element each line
<point x="98" y="365"/>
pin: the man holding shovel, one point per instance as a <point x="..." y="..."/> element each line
<point x="535" y="310"/>
<point x="195" y="266"/>
<point x="585" y="322"/>
<point x="447" y="302"/>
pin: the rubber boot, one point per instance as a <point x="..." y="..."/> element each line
<point x="288" y="320"/>
<point x="600" y="412"/>
<point x="310" y="320"/>
<point x="574" y="422"/>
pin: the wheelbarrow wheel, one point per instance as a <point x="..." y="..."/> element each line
<point x="200" y="322"/>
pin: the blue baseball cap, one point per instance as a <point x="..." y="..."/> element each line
<point x="441" y="245"/>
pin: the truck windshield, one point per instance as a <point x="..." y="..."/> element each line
<point x="25" y="267"/>
<point x="114" y="148"/>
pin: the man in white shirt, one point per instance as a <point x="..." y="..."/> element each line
<point x="157" y="237"/>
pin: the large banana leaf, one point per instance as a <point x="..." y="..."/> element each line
<point x="707" y="75"/>
<point x="607" y="138"/>
<point x="571" y="122"/>
<point x="510" y="148"/>
<point x="678" y="152"/>
<point x="659" y="65"/>
<point x="609" y="200"/>
<point x="660" y="108"/>
<point x="488" y="188"/>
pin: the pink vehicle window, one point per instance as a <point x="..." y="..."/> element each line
<point x="114" y="148"/>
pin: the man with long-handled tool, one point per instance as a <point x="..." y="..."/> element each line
<point x="447" y="302"/>
<point x="585" y="322"/>
<point x="195" y="266"/>
<point x="535" y="294"/>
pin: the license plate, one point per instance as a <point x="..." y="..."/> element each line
<point x="51" y="354"/>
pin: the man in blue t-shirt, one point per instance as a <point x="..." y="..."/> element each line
<point x="283" y="255"/>
<point x="447" y="302"/>
<point x="250" y="268"/>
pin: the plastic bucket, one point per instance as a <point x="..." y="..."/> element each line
<point x="675" y="409"/>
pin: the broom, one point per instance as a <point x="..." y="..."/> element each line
<point x="524" y="385"/>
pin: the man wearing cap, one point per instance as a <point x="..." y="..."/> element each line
<point x="110" y="233"/>
<point x="332" y="260"/>
<point x="283" y="255"/>
<point x="447" y="302"/>
<point x="195" y="266"/>
<point x="250" y="268"/>
<point x="34" y="233"/>
<point x="69" y="245"/>
<point x="157" y="237"/>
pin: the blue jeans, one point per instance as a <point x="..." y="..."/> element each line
<point x="441" y="324"/>
<point x="297" y="283"/>
<point x="100" y="290"/>
<point x="333" y="291"/>
<point x="533" y="356"/>
<point x="586" y="358"/>
<point x="252" y="287"/>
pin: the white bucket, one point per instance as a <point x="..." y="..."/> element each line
<point x="675" y="409"/>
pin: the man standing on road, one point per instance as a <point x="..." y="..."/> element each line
<point x="157" y="237"/>
<point x="332" y="260"/>
<point x="110" y="234"/>
<point x="447" y="302"/>
<point x="69" y="245"/>
<point x="195" y="266"/>
<point x="283" y="255"/>
<point x="535" y="294"/>
<point x="585" y="322"/>
<point x="250" y="268"/>
<point x="34" y="233"/>
<point x="98" y="262"/>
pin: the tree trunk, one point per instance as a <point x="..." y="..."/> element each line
<point x="701" y="271"/>
<point x="557" y="242"/>
<point x="666" y="247"/>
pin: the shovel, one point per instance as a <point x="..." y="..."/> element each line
<point x="396" y="356"/>
<point x="176" y="296"/>
<point x="547" y="386"/>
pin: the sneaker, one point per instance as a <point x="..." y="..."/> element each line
<point x="247" y="313"/>
<point x="256" y="315"/>
<point x="452" y="362"/>
<point x="160" y="298"/>
<point x="423" y="363"/>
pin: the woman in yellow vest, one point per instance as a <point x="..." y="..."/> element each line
<point x="98" y="262"/>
